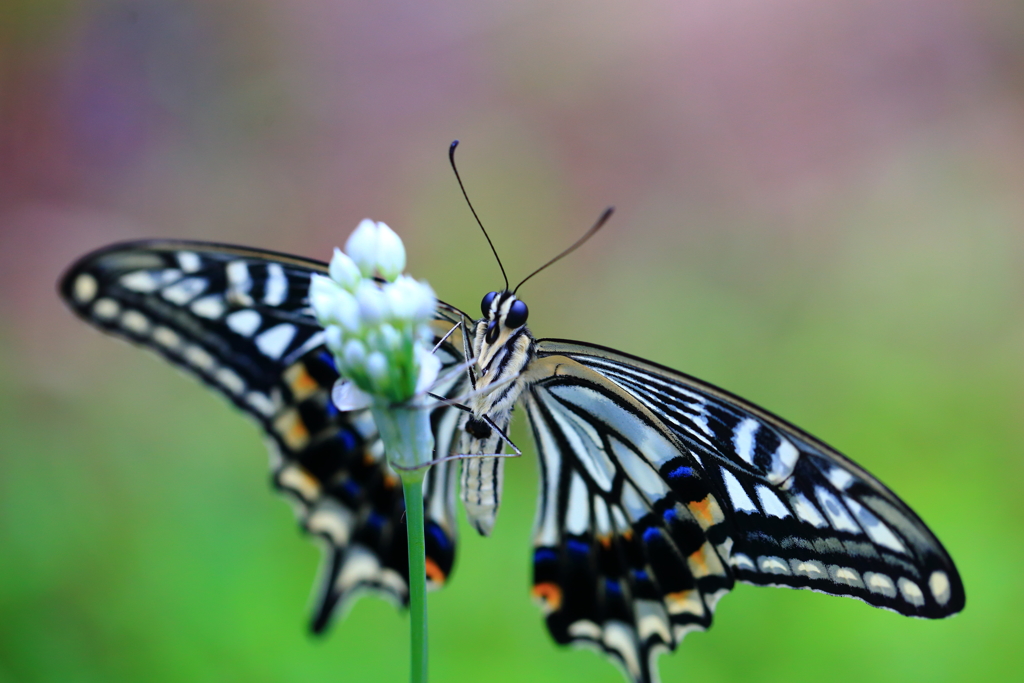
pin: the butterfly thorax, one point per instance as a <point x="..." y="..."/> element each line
<point x="502" y="347"/>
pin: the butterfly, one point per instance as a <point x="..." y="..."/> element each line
<point x="657" y="491"/>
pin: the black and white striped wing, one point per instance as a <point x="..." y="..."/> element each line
<point x="239" y="320"/>
<point x="659" y="490"/>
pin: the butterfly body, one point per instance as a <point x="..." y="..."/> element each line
<point x="658" y="491"/>
<point x="501" y="352"/>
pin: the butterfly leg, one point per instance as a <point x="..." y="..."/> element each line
<point x="449" y="333"/>
<point x="464" y="456"/>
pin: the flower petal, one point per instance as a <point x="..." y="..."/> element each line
<point x="347" y="396"/>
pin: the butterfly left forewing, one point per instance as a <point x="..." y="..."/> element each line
<point x="238" y="319"/>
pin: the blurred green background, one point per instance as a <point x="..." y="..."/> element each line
<point x="820" y="207"/>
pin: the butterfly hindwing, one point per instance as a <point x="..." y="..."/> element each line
<point x="623" y="560"/>
<point x="239" y="320"/>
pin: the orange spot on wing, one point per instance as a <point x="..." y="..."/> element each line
<point x="700" y="511"/>
<point x="390" y="481"/>
<point x="605" y="540"/>
<point x="300" y="382"/>
<point x="434" y="573"/>
<point x="707" y="512"/>
<point x="699" y="563"/>
<point x="549" y="594"/>
<point x="685" y="601"/>
<point x="292" y="429"/>
<point x="705" y="561"/>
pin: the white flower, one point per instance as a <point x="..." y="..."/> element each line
<point x="411" y="299"/>
<point x="377" y="369"/>
<point x="321" y="292"/>
<point x="362" y="246"/>
<point x="373" y="303"/>
<point x="353" y="353"/>
<point x="426" y="302"/>
<point x="399" y="298"/>
<point x="391" y="338"/>
<point x="430" y="366"/>
<point x="374" y="247"/>
<point x="379" y="332"/>
<point x="333" y="339"/>
<point x="344" y="270"/>
<point x="390" y="253"/>
<point x="345" y="311"/>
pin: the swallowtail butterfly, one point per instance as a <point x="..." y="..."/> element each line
<point x="658" y="491"/>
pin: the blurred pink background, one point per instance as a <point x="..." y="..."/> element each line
<point x="282" y="124"/>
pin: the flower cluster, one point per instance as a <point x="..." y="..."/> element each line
<point x="376" y="320"/>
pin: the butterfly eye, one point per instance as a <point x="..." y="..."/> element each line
<point x="517" y="313"/>
<point x="485" y="305"/>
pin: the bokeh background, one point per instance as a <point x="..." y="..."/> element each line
<point x="820" y="207"/>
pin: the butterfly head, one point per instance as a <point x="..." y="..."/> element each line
<point x="504" y="313"/>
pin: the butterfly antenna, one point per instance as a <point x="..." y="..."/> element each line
<point x="590" y="233"/>
<point x="451" y="158"/>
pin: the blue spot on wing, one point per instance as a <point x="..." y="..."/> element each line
<point x="328" y="359"/>
<point x="679" y="472"/>
<point x="651" y="535"/>
<point x="576" y="546"/>
<point x="346" y="437"/>
<point x="438" y="534"/>
<point x="545" y="555"/>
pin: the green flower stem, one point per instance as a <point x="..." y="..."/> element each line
<point x="412" y="485"/>
<point x="408" y="443"/>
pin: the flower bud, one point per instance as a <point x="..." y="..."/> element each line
<point x="373" y="304"/>
<point x="344" y="270"/>
<point x="429" y="366"/>
<point x="346" y="312"/>
<point x="377" y="369"/>
<point x="390" y="253"/>
<point x="322" y="291"/>
<point x="362" y="246"/>
<point x="425" y="302"/>
<point x="401" y="299"/>
<point x="333" y="339"/>
<point x="390" y="337"/>
<point x="353" y="353"/>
